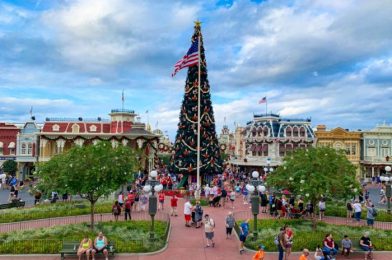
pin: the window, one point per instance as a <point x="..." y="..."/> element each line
<point x="265" y="131"/>
<point x="56" y="128"/>
<point x="371" y="151"/>
<point x="353" y="149"/>
<point x="288" y="131"/>
<point x="385" y="151"/>
<point x="75" y="128"/>
<point x="30" y="149"/>
<point x="265" y="149"/>
<point x="254" y="132"/>
<point x="23" y="148"/>
<point x="93" y="128"/>
<point x="1" y="148"/>
<point x="295" y="131"/>
<point x="302" y="132"/>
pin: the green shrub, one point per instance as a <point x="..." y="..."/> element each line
<point x="129" y="237"/>
<point x="340" y="211"/>
<point x="305" y="237"/>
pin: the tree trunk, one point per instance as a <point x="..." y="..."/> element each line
<point x="314" y="218"/>
<point x="92" y="214"/>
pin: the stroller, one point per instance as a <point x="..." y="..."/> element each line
<point x="197" y="216"/>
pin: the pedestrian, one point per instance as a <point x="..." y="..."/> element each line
<point x="120" y="199"/>
<point x="329" y="246"/>
<point x="187" y="212"/>
<point x="245" y="195"/>
<point x="321" y="206"/>
<point x="244" y="231"/>
<point x="349" y="207"/>
<point x="209" y="226"/>
<point x="143" y="200"/>
<point x="232" y="198"/>
<point x="357" y="211"/>
<point x="198" y="214"/>
<point x="318" y="254"/>
<point x="289" y="234"/>
<point x="280" y="241"/>
<point x="305" y="254"/>
<point x="371" y="214"/>
<point x="260" y="253"/>
<point x="366" y="245"/>
<point x="309" y="209"/>
<point x="263" y="202"/>
<point x="127" y="209"/>
<point x="161" y="199"/>
<point x="223" y="196"/>
<point x="116" y="210"/>
<point x="173" y="204"/>
<point x="230" y="222"/>
<point x="137" y="198"/>
<point x="346" y="245"/>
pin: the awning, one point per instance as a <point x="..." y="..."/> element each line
<point x="11" y="145"/>
<point x="265" y="148"/>
<point x="259" y="148"/>
<point x="253" y="148"/>
<point x="289" y="147"/>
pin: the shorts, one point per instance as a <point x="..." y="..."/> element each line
<point x="370" y="222"/>
<point x="242" y="238"/>
<point x="209" y="235"/>
<point x="357" y="216"/>
<point x="100" y="250"/>
<point x="187" y="218"/>
<point x="232" y="200"/>
<point x="229" y="230"/>
<point x="322" y="210"/>
<point x="366" y="248"/>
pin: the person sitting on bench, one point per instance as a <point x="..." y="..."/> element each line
<point x="85" y="247"/>
<point x="100" y="244"/>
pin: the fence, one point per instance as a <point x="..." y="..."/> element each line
<point x="52" y="246"/>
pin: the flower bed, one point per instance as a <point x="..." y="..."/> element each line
<point x="129" y="237"/>
<point x="305" y="237"/>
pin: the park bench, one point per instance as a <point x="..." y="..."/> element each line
<point x="71" y="248"/>
<point x="14" y="204"/>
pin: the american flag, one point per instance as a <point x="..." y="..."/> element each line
<point x="190" y="59"/>
<point x="263" y="100"/>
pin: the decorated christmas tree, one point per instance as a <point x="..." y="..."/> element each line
<point x="184" y="160"/>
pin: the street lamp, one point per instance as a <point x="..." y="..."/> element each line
<point x="254" y="187"/>
<point x="152" y="185"/>
<point x="268" y="169"/>
<point x="388" y="192"/>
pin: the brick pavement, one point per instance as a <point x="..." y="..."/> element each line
<point x="189" y="243"/>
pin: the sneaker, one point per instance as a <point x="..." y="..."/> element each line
<point x="213" y="244"/>
<point x="241" y="251"/>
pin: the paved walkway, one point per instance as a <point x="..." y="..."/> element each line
<point x="189" y="243"/>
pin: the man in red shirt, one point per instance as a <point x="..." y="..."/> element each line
<point x="173" y="204"/>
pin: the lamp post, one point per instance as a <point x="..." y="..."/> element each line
<point x="152" y="185"/>
<point x="388" y="192"/>
<point x="254" y="187"/>
<point x="268" y="169"/>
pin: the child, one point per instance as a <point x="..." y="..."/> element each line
<point x="346" y="246"/>
<point x="259" y="254"/>
<point x="161" y="198"/>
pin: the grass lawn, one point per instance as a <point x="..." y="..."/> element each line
<point x="305" y="237"/>
<point x="129" y="237"/>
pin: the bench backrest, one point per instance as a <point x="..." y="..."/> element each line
<point x="67" y="245"/>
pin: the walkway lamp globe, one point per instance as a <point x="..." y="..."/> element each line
<point x="255" y="174"/>
<point x="147" y="188"/>
<point x="261" y="188"/>
<point x="158" y="188"/>
<point x="388" y="191"/>
<point x="250" y="188"/>
<point x="265" y="169"/>
<point x="153" y="174"/>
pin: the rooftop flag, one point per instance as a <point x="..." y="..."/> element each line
<point x="190" y="59"/>
<point x="263" y="100"/>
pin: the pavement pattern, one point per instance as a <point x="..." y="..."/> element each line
<point x="189" y="243"/>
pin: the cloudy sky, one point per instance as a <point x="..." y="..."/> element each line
<point x="330" y="60"/>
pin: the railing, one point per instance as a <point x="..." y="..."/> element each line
<point x="60" y="221"/>
<point x="375" y="159"/>
<point x="119" y="110"/>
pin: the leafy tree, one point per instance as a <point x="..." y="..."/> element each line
<point x="10" y="166"/>
<point x="185" y="156"/>
<point x="92" y="171"/>
<point x="315" y="173"/>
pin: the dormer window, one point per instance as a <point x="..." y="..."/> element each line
<point x="288" y="131"/>
<point x="93" y="128"/>
<point x="75" y="128"/>
<point x="56" y="128"/>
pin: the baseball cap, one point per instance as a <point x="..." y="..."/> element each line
<point x="262" y="247"/>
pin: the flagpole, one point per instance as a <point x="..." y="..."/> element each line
<point x="197" y="194"/>
<point x="266" y="106"/>
<point x="122" y="112"/>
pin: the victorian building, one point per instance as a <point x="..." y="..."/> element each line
<point x="341" y="139"/>
<point x="27" y="148"/>
<point x="376" y="149"/>
<point x="59" y="135"/>
<point x="8" y="134"/>
<point x="267" y="139"/>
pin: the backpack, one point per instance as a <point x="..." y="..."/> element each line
<point x="374" y="212"/>
<point x="276" y="240"/>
